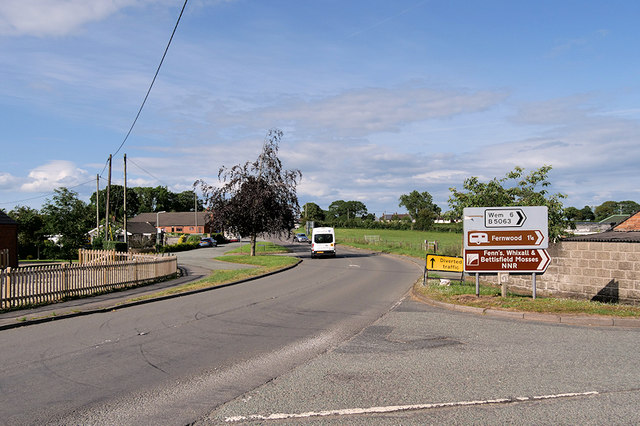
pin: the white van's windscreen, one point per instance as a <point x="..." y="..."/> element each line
<point x="323" y="238"/>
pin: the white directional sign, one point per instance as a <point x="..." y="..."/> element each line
<point x="506" y="227"/>
<point x="504" y="218"/>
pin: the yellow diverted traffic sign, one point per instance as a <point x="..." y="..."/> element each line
<point x="444" y="263"/>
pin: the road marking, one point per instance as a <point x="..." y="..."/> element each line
<point x="396" y="408"/>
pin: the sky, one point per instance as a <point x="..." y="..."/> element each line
<point x="375" y="98"/>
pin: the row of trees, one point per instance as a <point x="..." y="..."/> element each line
<point x="61" y="226"/>
<point x="601" y="212"/>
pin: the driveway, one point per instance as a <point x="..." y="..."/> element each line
<point x="201" y="262"/>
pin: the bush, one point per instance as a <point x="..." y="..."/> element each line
<point x="193" y="238"/>
<point x="177" y="247"/>
<point x="115" y="245"/>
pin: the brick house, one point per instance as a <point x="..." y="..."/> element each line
<point x="8" y="241"/>
<point x="177" y="222"/>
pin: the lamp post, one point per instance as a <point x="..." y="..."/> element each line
<point x="159" y="231"/>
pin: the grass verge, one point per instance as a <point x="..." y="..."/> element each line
<point x="465" y="294"/>
<point x="263" y="265"/>
<point x="262" y="247"/>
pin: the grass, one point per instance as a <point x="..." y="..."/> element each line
<point x="263" y="265"/>
<point x="465" y="294"/>
<point x="262" y="247"/>
<point x="403" y="242"/>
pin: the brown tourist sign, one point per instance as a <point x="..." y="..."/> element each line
<point x="509" y="260"/>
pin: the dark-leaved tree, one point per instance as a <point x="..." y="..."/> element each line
<point x="255" y="198"/>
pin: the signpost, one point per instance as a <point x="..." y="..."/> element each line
<point x="505" y="240"/>
<point x="436" y="262"/>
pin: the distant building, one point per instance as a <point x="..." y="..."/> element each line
<point x="627" y="231"/>
<point x="177" y="222"/>
<point x="8" y="241"/>
<point x="394" y="217"/>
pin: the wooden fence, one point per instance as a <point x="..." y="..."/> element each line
<point x="32" y="285"/>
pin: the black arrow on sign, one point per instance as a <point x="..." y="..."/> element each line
<point x="432" y="262"/>
<point x="521" y="216"/>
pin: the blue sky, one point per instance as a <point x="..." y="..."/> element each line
<point x="375" y="98"/>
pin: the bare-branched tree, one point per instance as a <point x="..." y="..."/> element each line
<point x="255" y="198"/>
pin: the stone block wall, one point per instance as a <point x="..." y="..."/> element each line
<point x="606" y="272"/>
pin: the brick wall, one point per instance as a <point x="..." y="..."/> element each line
<point x="608" y="272"/>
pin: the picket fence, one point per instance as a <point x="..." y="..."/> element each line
<point x="95" y="273"/>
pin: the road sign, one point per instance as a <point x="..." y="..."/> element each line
<point x="504" y="218"/>
<point x="531" y="238"/>
<point x="524" y="227"/>
<point x="444" y="263"/>
<point x="510" y="260"/>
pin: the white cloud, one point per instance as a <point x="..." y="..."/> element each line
<point x="54" y="17"/>
<point x="8" y="181"/>
<point x="55" y="174"/>
<point x="362" y="112"/>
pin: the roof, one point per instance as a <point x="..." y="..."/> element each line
<point x="630" y="224"/>
<point x="6" y="220"/>
<point x="140" y="228"/>
<point x="609" y="237"/>
<point x="172" y="218"/>
<point x="615" y="218"/>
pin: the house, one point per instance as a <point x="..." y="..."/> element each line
<point x="394" y="217"/>
<point x="8" y="241"/>
<point x="176" y="222"/>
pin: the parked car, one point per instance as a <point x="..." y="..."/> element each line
<point x="207" y="242"/>
<point x="301" y="238"/>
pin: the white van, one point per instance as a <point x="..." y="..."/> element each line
<point x="323" y="242"/>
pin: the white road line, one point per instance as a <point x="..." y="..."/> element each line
<point x="396" y="408"/>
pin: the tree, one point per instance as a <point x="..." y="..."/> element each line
<point x="30" y="231"/>
<point x="421" y="208"/>
<point x="515" y="189"/>
<point x="345" y="210"/>
<point x="582" y="215"/>
<point x="586" y="214"/>
<point x="609" y="208"/>
<point x="259" y="197"/>
<point x="69" y="218"/>
<point x="312" y="212"/>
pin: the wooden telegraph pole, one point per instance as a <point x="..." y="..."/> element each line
<point x="125" y="200"/>
<point x="106" y="217"/>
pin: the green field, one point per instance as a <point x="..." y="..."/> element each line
<point x="410" y="243"/>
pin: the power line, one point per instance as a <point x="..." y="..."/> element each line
<point x="45" y="195"/>
<point x="134" y="121"/>
<point x="140" y="167"/>
<point x="152" y="81"/>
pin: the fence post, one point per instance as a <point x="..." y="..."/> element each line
<point x="65" y="279"/>
<point x="7" y="285"/>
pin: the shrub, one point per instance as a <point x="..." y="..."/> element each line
<point x="115" y="245"/>
<point x="178" y="247"/>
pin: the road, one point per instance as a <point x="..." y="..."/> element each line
<point x="422" y="365"/>
<point x="332" y="341"/>
<point x="174" y="361"/>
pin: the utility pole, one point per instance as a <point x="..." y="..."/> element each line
<point x="125" y="201"/>
<point x="97" y="205"/>
<point x="195" y="208"/>
<point x="106" y="216"/>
